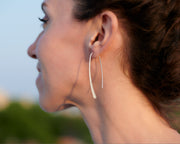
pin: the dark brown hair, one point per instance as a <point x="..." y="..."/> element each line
<point x="153" y="54"/>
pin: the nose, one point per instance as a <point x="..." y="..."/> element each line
<point x="32" y="48"/>
<point x="31" y="51"/>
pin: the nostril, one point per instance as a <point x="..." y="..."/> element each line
<point x="34" y="56"/>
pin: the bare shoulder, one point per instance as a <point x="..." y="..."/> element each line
<point x="176" y="138"/>
<point x="171" y="137"/>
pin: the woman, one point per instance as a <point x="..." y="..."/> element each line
<point x="116" y="60"/>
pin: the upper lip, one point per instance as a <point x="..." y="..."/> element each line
<point x="38" y="68"/>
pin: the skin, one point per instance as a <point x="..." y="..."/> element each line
<point x="121" y="113"/>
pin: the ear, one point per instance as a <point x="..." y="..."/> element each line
<point x="104" y="33"/>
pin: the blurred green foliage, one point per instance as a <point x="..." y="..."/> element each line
<point x="20" y="125"/>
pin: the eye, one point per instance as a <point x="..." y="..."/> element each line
<point x="45" y="20"/>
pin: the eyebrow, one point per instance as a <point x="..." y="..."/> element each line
<point x="43" y="5"/>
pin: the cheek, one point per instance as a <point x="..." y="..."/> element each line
<point x="60" y="50"/>
<point x="60" y="59"/>
<point x="60" y="54"/>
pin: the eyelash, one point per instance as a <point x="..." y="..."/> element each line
<point x="43" y="20"/>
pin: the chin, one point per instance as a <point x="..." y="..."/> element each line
<point x="50" y="106"/>
<point x="55" y="109"/>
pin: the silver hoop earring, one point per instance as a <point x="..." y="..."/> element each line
<point x="90" y="79"/>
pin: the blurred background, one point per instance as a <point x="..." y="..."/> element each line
<point x="21" y="119"/>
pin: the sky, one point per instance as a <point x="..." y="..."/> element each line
<point x="19" y="27"/>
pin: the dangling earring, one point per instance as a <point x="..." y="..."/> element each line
<point x="90" y="79"/>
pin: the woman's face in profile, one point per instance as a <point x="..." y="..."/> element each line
<point x="59" y="51"/>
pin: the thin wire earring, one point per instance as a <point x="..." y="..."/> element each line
<point x="90" y="79"/>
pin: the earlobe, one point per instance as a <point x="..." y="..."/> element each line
<point x="95" y="44"/>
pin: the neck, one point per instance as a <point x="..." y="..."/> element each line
<point x="122" y="114"/>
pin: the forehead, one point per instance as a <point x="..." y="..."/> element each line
<point x="59" y="3"/>
<point x="59" y="8"/>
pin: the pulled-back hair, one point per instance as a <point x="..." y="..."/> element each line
<point x="153" y="52"/>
